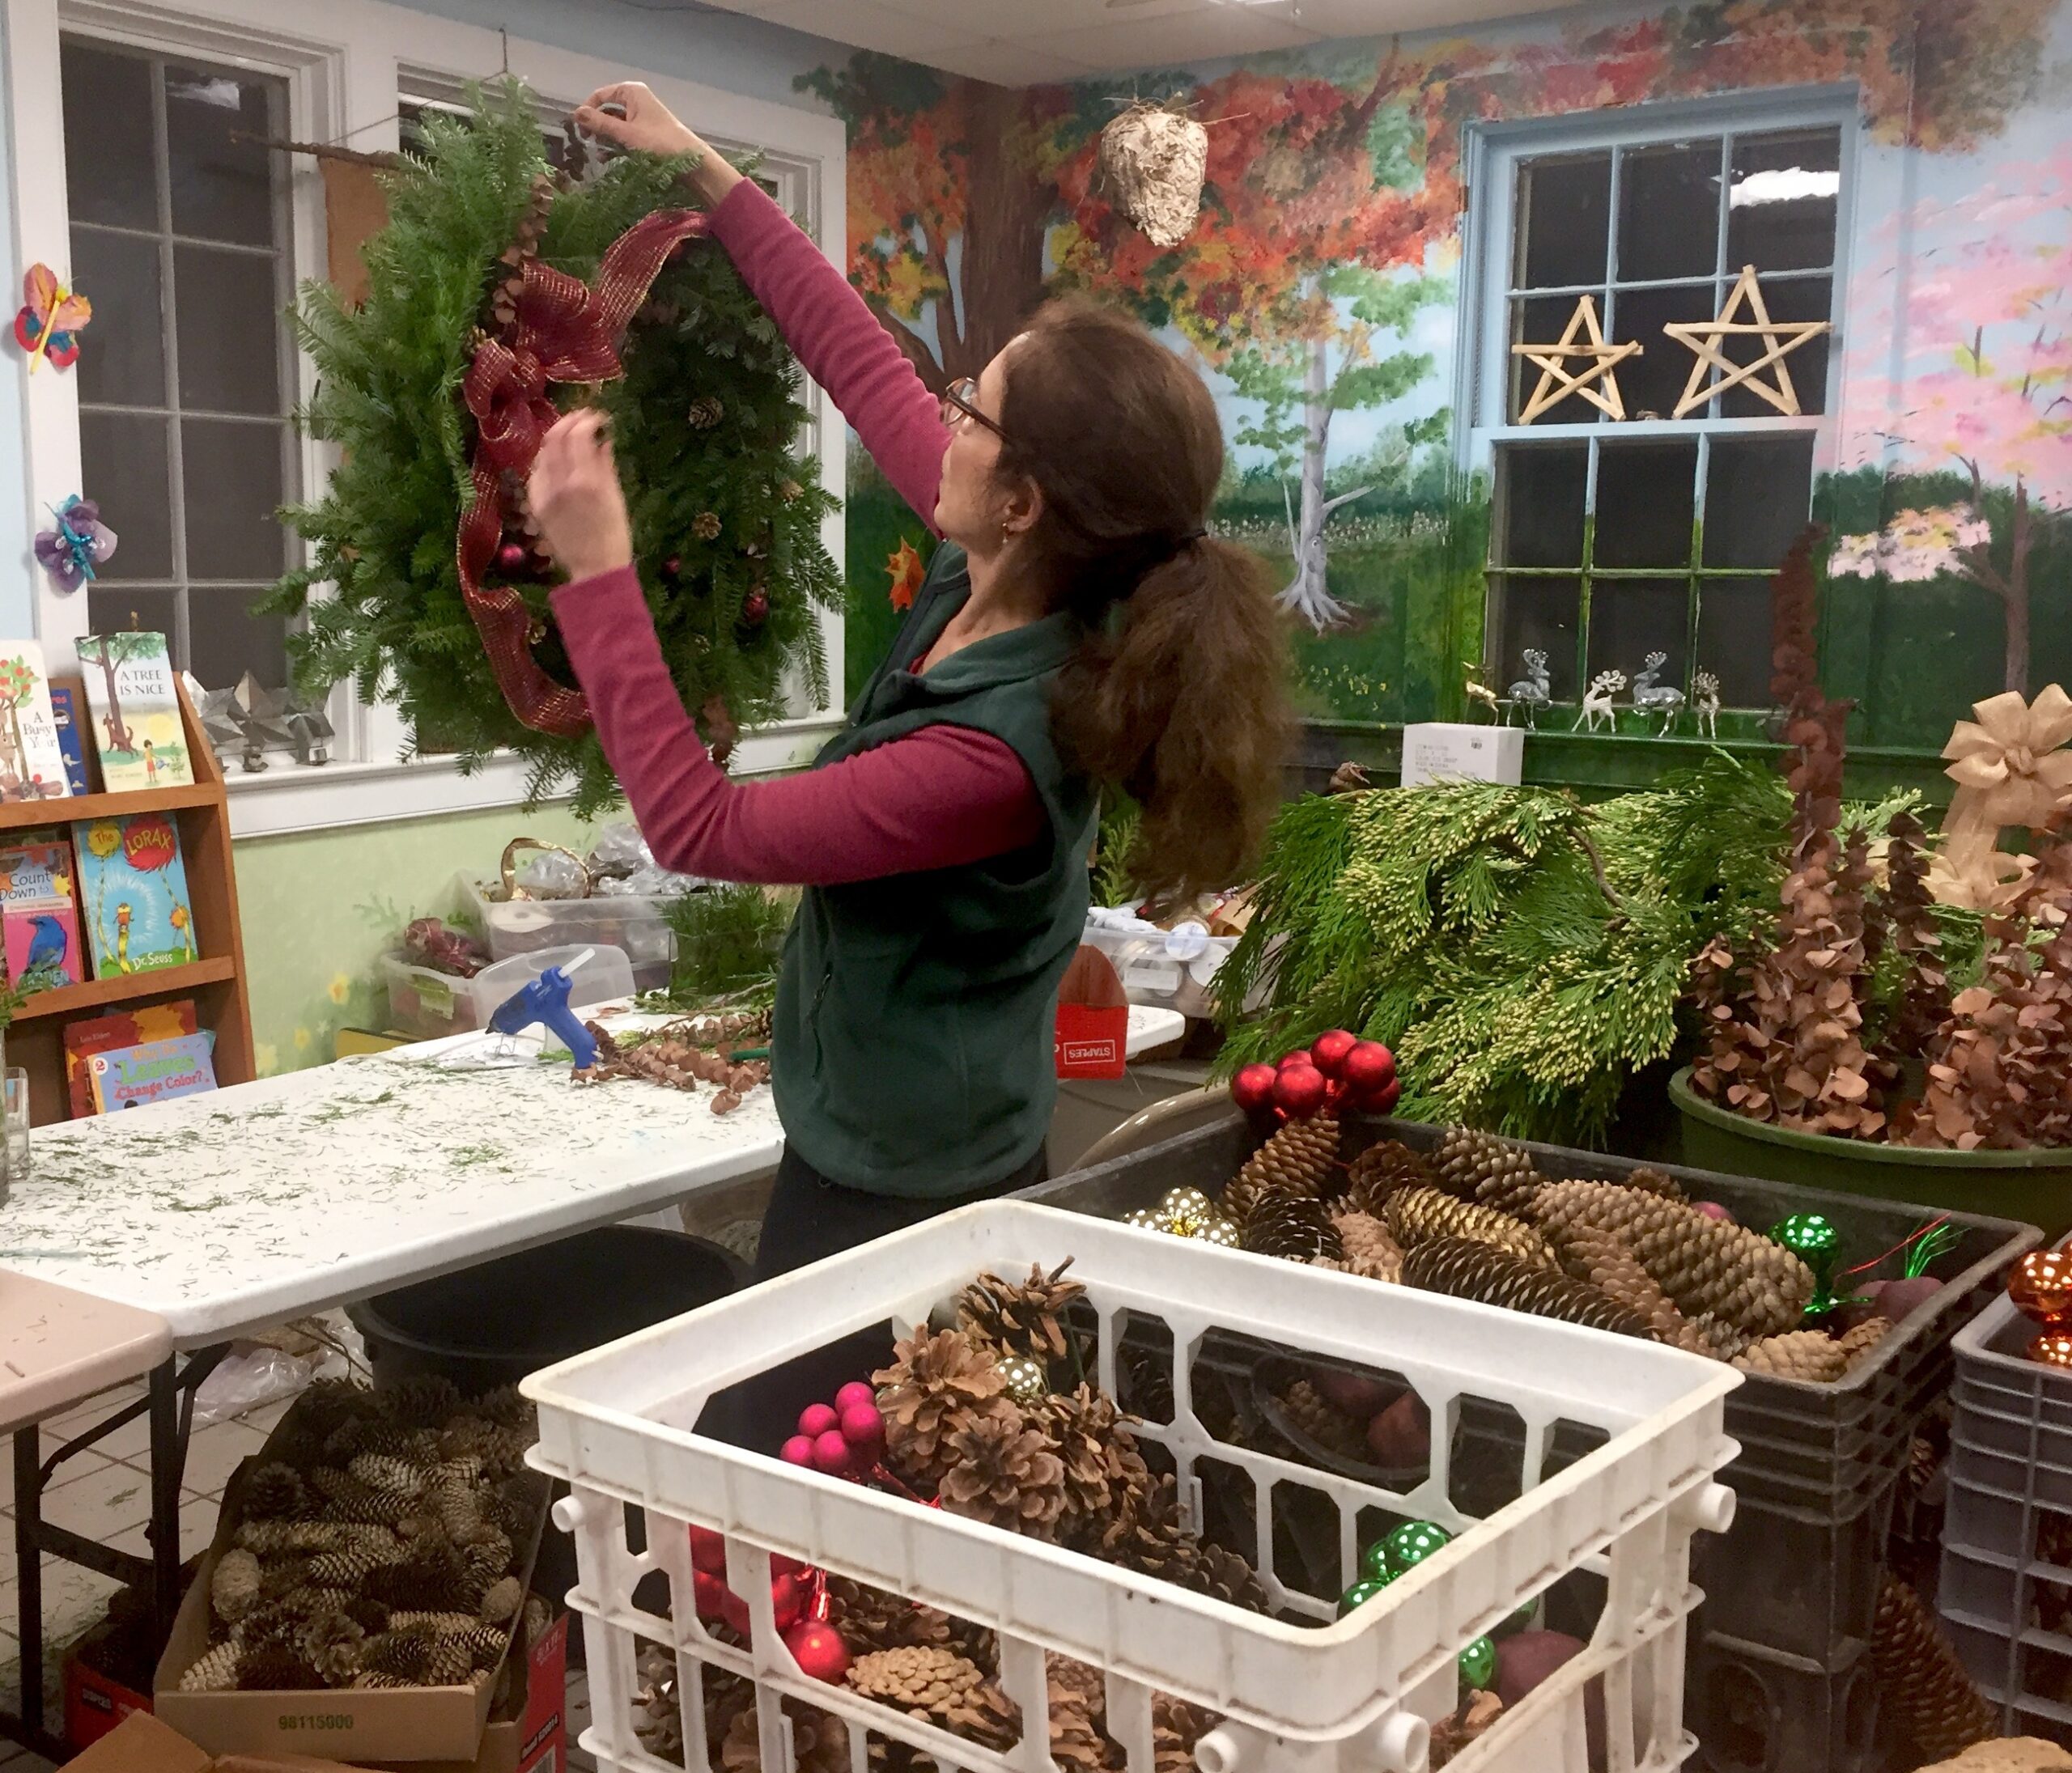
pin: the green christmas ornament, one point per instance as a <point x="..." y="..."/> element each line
<point x="1411" y="1543"/>
<point x="1360" y="1593"/>
<point x="1478" y="1665"/>
<point x="1812" y="1238"/>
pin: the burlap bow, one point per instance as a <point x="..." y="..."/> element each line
<point x="2010" y="770"/>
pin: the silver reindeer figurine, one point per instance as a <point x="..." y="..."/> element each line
<point x="1652" y="698"/>
<point x="1705" y="703"/>
<point x="1598" y="701"/>
<point x="1534" y="690"/>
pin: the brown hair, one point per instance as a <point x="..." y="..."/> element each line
<point x="1179" y="695"/>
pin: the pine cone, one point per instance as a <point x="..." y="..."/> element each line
<point x="234" y="1587"/>
<point x="1923" y="1688"/>
<point x="1149" y="1535"/>
<point x="1468" y="1270"/>
<point x="1297" y="1161"/>
<point x="941" y="1687"/>
<point x="1811" y="1356"/>
<point x="422" y="1400"/>
<point x="1856" y="1344"/>
<point x="820" y="1743"/>
<point x="1416" y="1216"/>
<point x="1024" y="1318"/>
<point x="1381" y="1169"/>
<point x="1076" y="1744"/>
<point x="1651" y="1181"/>
<point x="1312" y="1414"/>
<point x="1607" y="1265"/>
<point x="1370" y="1251"/>
<point x="277" y="1668"/>
<point x="276" y="1492"/>
<point x="936" y="1386"/>
<point x="1296" y="1229"/>
<point x="1005" y="1472"/>
<point x="1705" y="1265"/>
<point x="1716" y="1337"/>
<point x="1480" y="1167"/>
<point x="216" y="1671"/>
<point x="1099" y="1456"/>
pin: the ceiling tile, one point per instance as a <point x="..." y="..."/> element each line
<point x="1021" y="19"/>
<point x="1135" y="42"/>
<point x="1379" y="18"/>
<point x="1013" y="65"/>
<point x="869" y="25"/>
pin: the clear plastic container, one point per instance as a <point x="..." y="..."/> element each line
<point x="637" y="928"/>
<point x="1164" y="970"/>
<point x="431" y="1005"/>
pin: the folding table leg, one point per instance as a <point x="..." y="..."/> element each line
<point x="28" y="1573"/>
<point x="168" y="1464"/>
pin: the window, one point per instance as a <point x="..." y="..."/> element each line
<point x="1614" y="539"/>
<point x="180" y="234"/>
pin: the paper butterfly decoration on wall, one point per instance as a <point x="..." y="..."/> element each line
<point x="80" y="542"/>
<point x="51" y="317"/>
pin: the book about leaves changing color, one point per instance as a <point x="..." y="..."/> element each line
<point x="136" y="712"/>
<point x="133" y="1076"/>
<point x="93" y="1034"/>
<point x="133" y="894"/>
<point x="31" y="762"/>
<point x="39" y="924"/>
<point x="65" y="711"/>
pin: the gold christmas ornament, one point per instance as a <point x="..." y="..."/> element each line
<point x="2040" y="1285"/>
<point x="1780" y="339"/>
<point x="1028" y="1382"/>
<point x="2053" y="1348"/>
<point x="1155" y="161"/>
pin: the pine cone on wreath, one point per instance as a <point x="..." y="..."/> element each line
<point x="1370" y="1251"/>
<point x="1417" y="1215"/>
<point x="1381" y="1169"/>
<point x="1296" y="1162"/>
<point x="1295" y="1229"/>
<point x="1005" y="1472"/>
<point x="1025" y="1317"/>
<point x="1481" y="1167"/>
<point x="938" y="1384"/>
<point x="1923" y="1690"/>
<point x="942" y="1687"/>
<point x="1468" y="1270"/>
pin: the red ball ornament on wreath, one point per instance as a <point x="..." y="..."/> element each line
<point x="1329" y="1051"/>
<point x="1252" y="1088"/>
<point x="1300" y="1090"/>
<point x="513" y="558"/>
<point x="755" y="607"/>
<point x="816" y="1647"/>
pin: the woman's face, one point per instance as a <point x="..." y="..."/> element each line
<point x="972" y="509"/>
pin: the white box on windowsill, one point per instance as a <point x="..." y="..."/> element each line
<point x="1447" y="751"/>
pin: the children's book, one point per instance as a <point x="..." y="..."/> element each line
<point x="131" y="1076"/>
<point x="133" y="894"/>
<point x="71" y="739"/>
<point x="136" y="712"/>
<point x="39" y="928"/>
<point x="93" y="1034"/>
<point x="31" y="762"/>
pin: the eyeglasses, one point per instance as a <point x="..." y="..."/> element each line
<point x="960" y="404"/>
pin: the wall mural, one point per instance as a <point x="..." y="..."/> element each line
<point x="1321" y="295"/>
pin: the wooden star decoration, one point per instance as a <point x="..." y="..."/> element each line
<point x="1557" y="382"/>
<point x="1780" y="338"/>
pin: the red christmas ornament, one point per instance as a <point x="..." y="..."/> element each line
<point x="831" y="1453"/>
<point x="788" y="1599"/>
<point x="1299" y="1091"/>
<point x="1368" y="1068"/>
<point x="863" y="1429"/>
<point x="512" y="559"/>
<point x="708" y="1551"/>
<point x="1383" y="1099"/>
<point x="1252" y="1088"/>
<point x="1329" y="1050"/>
<point x="672" y="567"/>
<point x="797" y="1451"/>
<point x="816" y="1419"/>
<point x="782" y="1566"/>
<point x="734" y="1610"/>
<point x="1300" y="1056"/>
<point x="755" y="607"/>
<point x="709" y="1594"/>
<point x="818" y="1650"/>
<point x="854" y="1393"/>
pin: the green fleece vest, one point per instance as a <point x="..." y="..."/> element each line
<point x="912" y="1049"/>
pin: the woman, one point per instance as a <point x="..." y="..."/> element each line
<point x="1077" y="627"/>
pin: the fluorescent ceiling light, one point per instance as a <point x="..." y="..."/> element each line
<point x="1786" y="184"/>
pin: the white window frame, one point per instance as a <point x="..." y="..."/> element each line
<point x="347" y="65"/>
<point x="1483" y="366"/>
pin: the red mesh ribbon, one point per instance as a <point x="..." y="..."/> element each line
<point x="565" y="331"/>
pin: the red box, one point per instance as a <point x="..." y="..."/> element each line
<point x="95" y="1702"/>
<point x="1092" y="1042"/>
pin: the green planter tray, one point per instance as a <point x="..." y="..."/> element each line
<point x="2034" y="1186"/>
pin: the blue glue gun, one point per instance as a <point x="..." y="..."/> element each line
<point x="545" y="1000"/>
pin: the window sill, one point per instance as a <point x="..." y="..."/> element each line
<point x="288" y="797"/>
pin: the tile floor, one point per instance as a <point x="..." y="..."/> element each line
<point x="105" y="1494"/>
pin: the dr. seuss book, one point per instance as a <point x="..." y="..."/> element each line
<point x="31" y="763"/>
<point x="94" y="1034"/>
<point x="38" y="926"/>
<point x="71" y="737"/>
<point x="136" y="714"/>
<point x="133" y="893"/>
<point x="131" y="1076"/>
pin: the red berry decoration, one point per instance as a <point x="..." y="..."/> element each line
<point x="797" y="1451"/>
<point x="854" y="1393"/>
<point x="1368" y="1068"/>
<point x="1329" y="1050"/>
<point x="831" y="1453"/>
<point x="817" y="1649"/>
<point x="1299" y="1091"/>
<point x="708" y="1551"/>
<point x="816" y="1419"/>
<point x="863" y="1429"/>
<point x="512" y="559"/>
<point x="1252" y="1088"/>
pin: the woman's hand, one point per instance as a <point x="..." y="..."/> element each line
<point x="575" y="494"/>
<point x="649" y="126"/>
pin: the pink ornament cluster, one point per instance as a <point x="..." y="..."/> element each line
<point x="845" y="1439"/>
<point x="1338" y="1073"/>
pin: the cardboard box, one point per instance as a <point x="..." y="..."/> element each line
<point x="1443" y="751"/>
<point x="412" y="1725"/>
<point x="143" y="1744"/>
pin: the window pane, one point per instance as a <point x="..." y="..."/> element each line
<point x="1631" y="620"/>
<point x="115" y="608"/>
<point x="1541" y="319"/>
<point x="1540" y="613"/>
<point x="123" y="355"/>
<point x="1757" y="493"/>
<point x="229" y="330"/>
<point x="1653" y="383"/>
<point x="225" y="639"/>
<point x="1669" y="210"/>
<point x="1781" y="207"/>
<point x="107" y="139"/>
<point x="1786" y="299"/>
<point x="123" y="462"/>
<point x="1733" y="638"/>
<point x="222" y="189"/>
<point x="1542" y="500"/>
<point x="233" y="474"/>
<point x="1646" y="494"/>
<point x="1564" y="206"/>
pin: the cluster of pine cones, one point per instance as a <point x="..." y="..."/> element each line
<point x="381" y="1546"/>
<point x="686" y="1053"/>
<point x="1475" y="1219"/>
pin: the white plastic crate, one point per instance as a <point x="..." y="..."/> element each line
<point x="1353" y="1694"/>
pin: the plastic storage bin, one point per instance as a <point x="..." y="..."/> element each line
<point x="637" y="928"/>
<point x="617" y="1424"/>
<point x="1164" y="970"/>
<point x="431" y="1005"/>
<point x="2005" y="1589"/>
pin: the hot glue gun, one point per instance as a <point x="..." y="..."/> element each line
<point x="545" y="1000"/>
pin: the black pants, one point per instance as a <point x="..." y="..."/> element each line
<point x="810" y="1217"/>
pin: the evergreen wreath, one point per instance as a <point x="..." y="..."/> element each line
<point x="726" y="519"/>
